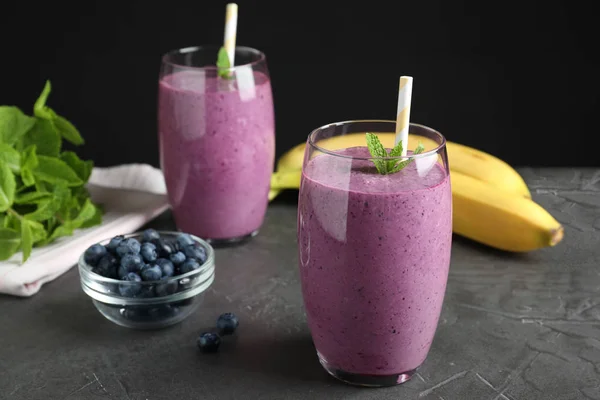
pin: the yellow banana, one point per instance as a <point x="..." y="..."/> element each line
<point x="464" y="159"/>
<point x="500" y="219"/>
<point x="483" y="213"/>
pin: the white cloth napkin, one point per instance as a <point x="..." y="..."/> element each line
<point x="131" y="194"/>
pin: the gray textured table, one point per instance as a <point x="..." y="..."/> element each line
<point x="513" y="326"/>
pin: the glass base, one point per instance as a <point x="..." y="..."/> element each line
<point x="365" y="380"/>
<point x="231" y="241"/>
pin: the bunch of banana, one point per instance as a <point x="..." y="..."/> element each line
<point x="491" y="202"/>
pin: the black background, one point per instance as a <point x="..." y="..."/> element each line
<point x="516" y="79"/>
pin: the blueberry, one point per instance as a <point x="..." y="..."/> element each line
<point x="93" y="254"/>
<point x="148" y="251"/>
<point x="128" y="246"/>
<point x="189" y="265"/>
<point x="164" y="311"/>
<point x="131" y="289"/>
<point x="149" y="235"/>
<point x="132" y="262"/>
<point x="114" y="243"/>
<point x="227" y="323"/>
<point x="198" y="253"/>
<point x="146" y="292"/>
<point x="163" y="248"/>
<point x="166" y="267"/>
<point x="107" y="266"/>
<point x="165" y="289"/>
<point x="151" y="273"/>
<point x="177" y="258"/>
<point x="184" y="240"/>
<point x="209" y="342"/>
<point x="122" y="271"/>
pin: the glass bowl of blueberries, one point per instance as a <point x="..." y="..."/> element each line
<point x="149" y="279"/>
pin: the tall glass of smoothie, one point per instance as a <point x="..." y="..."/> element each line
<point x="217" y="141"/>
<point x="374" y="250"/>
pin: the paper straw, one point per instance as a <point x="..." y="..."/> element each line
<point x="403" y="116"/>
<point x="231" y="16"/>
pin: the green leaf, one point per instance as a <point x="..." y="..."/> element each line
<point x="7" y="186"/>
<point x="38" y="231"/>
<point x="96" y="219"/>
<point x="11" y="157"/>
<point x="420" y="148"/>
<point x="13" y="124"/>
<point x="26" y="240"/>
<point x="377" y="151"/>
<point x="45" y="136"/>
<point x="395" y="152"/>
<point x="32" y="197"/>
<point x="83" y="169"/>
<point x="39" y="107"/>
<point x="55" y="171"/>
<point x="10" y="240"/>
<point x="400" y="166"/>
<point x="29" y="162"/>
<point x="48" y="208"/>
<point x="68" y="131"/>
<point x="223" y="64"/>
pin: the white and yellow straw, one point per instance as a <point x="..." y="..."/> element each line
<point x="231" y="16"/>
<point x="403" y="113"/>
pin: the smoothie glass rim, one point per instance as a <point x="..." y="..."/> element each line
<point x="166" y="57"/>
<point x="337" y="153"/>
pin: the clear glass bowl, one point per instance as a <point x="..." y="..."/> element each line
<point x="158" y="304"/>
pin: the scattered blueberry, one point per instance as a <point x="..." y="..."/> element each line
<point x="166" y="267"/>
<point x="199" y="253"/>
<point x="151" y="273"/>
<point x="163" y="248"/>
<point x="209" y="342"/>
<point x="227" y="323"/>
<point x="150" y="235"/>
<point x="184" y="240"/>
<point x="130" y="290"/>
<point x="177" y="258"/>
<point x="189" y="265"/>
<point x="93" y="254"/>
<point x="107" y="266"/>
<point x="148" y="251"/>
<point x="165" y="289"/>
<point x="114" y="243"/>
<point x="128" y="246"/>
<point x="132" y="262"/>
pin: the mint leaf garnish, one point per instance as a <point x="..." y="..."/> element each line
<point x="386" y="167"/>
<point x="42" y="192"/>
<point x="223" y="64"/>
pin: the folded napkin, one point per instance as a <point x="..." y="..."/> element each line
<point x="131" y="194"/>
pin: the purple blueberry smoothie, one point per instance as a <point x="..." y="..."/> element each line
<point x="374" y="257"/>
<point x="217" y="143"/>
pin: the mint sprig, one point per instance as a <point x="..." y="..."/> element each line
<point x="42" y="192"/>
<point x="223" y="64"/>
<point x="379" y="153"/>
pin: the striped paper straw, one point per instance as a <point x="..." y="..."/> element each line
<point x="231" y="16"/>
<point x="403" y="116"/>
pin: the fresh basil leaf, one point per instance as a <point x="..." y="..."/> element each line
<point x="96" y="219"/>
<point x="26" y="240"/>
<point x="10" y="240"/>
<point x="420" y="148"/>
<point x="56" y="171"/>
<point x="38" y="231"/>
<point x="29" y="162"/>
<point x="11" y="157"/>
<point x="45" y="136"/>
<point x="7" y="186"/>
<point x="13" y="124"/>
<point x="32" y="197"/>
<point x="68" y="131"/>
<point x="39" y="107"/>
<point x="223" y="64"/>
<point x="83" y="169"/>
<point x="48" y="208"/>
<point x="378" y="151"/>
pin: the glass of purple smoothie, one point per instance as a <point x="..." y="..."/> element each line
<point x="217" y="141"/>
<point x="374" y="251"/>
